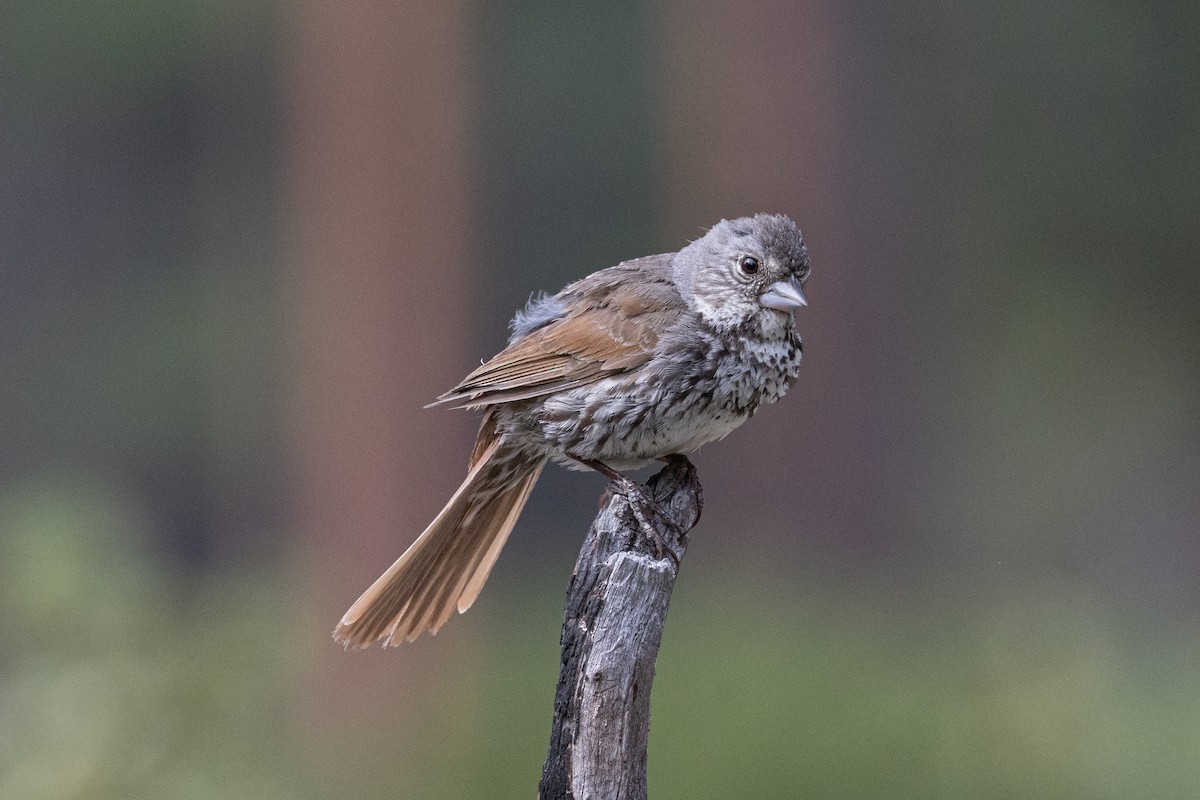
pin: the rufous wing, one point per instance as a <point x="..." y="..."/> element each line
<point x="612" y="323"/>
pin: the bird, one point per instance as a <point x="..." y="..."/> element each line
<point x="645" y="360"/>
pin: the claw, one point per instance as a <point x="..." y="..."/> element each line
<point x="640" y="502"/>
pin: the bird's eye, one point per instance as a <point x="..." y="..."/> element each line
<point x="748" y="265"/>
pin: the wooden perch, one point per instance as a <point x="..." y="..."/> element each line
<point x="612" y="626"/>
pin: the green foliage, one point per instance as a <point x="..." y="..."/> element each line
<point x="1040" y="692"/>
<point x="119" y="680"/>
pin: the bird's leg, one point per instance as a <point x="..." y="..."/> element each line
<point x="641" y="503"/>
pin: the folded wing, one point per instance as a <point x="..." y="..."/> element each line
<point x="612" y="325"/>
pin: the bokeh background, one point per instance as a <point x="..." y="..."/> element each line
<point x="241" y="244"/>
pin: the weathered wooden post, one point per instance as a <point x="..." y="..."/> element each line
<point x="613" y="622"/>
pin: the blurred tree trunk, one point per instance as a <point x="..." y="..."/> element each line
<point x="744" y="139"/>
<point x="378" y="230"/>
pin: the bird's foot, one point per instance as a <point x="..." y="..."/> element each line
<point x="641" y="503"/>
<point x="644" y="508"/>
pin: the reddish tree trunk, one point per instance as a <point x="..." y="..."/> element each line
<point x="379" y="232"/>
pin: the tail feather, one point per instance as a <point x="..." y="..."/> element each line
<point x="465" y="563"/>
<point x="445" y="568"/>
<point x="486" y="555"/>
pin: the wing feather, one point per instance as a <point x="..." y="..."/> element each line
<point x="612" y="323"/>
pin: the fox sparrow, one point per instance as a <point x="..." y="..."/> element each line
<point x="653" y="357"/>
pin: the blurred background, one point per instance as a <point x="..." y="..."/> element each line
<point x="241" y="244"/>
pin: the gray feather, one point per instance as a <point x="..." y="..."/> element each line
<point x="541" y="310"/>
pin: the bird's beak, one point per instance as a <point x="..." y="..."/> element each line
<point x="784" y="296"/>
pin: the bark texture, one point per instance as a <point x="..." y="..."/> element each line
<point x="615" y="611"/>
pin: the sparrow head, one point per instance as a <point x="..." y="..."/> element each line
<point x="745" y="270"/>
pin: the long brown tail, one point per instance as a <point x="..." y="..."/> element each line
<point x="446" y="566"/>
